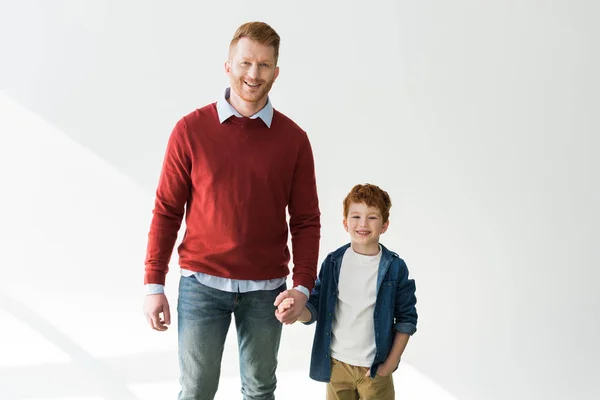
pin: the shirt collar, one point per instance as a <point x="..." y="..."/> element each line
<point x="226" y="110"/>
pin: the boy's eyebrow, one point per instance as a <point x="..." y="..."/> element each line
<point x="369" y="213"/>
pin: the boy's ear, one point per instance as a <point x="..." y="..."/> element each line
<point x="385" y="226"/>
<point x="345" y="224"/>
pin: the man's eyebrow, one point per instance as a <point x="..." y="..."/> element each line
<point x="265" y="61"/>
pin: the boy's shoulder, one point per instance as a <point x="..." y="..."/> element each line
<point x="337" y="252"/>
<point x="392" y="254"/>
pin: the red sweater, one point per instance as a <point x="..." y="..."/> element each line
<point x="234" y="181"/>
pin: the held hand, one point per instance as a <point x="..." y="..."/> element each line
<point x="290" y="315"/>
<point x="154" y="305"/>
<point x="286" y="304"/>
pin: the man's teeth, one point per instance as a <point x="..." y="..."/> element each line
<point x="253" y="84"/>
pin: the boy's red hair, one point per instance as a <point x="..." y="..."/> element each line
<point x="372" y="196"/>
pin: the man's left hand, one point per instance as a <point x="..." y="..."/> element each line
<point x="290" y="315"/>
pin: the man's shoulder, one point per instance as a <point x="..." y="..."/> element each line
<point x="285" y="122"/>
<point x="201" y="115"/>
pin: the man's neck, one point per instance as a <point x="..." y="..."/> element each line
<point x="245" y="108"/>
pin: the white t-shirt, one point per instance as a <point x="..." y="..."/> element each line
<point x="353" y="331"/>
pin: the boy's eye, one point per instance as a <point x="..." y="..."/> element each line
<point x="356" y="217"/>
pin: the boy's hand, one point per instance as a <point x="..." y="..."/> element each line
<point x="290" y="315"/>
<point x="287" y="303"/>
<point x="383" y="370"/>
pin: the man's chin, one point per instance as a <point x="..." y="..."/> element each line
<point x="251" y="98"/>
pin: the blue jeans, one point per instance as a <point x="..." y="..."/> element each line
<point x="204" y="316"/>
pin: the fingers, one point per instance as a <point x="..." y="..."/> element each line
<point x="287" y="317"/>
<point x="157" y="323"/>
<point x="368" y="372"/>
<point x="285" y="304"/>
<point x="278" y="316"/>
<point x="292" y="314"/>
<point x="280" y="297"/>
<point x="167" y="315"/>
<point x="286" y="313"/>
<point x="289" y="308"/>
<point x="149" y="321"/>
<point x="154" y="306"/>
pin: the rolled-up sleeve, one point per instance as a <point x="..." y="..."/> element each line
<point x="405" y="311"/>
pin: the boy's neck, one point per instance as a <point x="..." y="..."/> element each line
<point x="366" y="250"/>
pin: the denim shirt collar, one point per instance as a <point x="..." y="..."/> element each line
<point x="226" y="110"/>
<point x="384" y="264"/>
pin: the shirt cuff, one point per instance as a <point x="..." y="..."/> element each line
<point x="304" y="290"/>
<point x="154" y="288"/>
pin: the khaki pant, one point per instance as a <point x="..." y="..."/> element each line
<point x="350" y="383"/>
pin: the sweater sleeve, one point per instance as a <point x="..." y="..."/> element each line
<point x="173" y="191"/>
<point x="305" y="218"/>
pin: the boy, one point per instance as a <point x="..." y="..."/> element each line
<point x="363" y="303"/>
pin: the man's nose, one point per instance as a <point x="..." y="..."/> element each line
<point x="253" y="71"/>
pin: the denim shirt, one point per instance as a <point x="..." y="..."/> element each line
<point x="394" y="309"/>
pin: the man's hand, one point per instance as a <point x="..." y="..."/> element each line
<point x="154" y="305"/>
<point x="296" y="306"/>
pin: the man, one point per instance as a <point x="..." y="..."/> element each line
<point x="234" y="166"/>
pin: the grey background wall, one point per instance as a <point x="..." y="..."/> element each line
<point x="479" y="118"/>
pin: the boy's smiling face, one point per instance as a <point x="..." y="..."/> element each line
<point x="365" y="225"/>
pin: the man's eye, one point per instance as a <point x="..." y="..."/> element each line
<point x="264" y="65"/>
